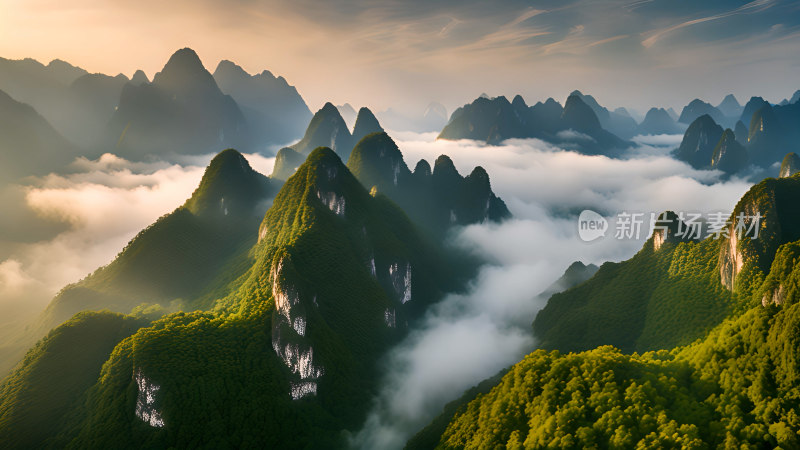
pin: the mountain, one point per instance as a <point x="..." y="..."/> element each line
<point x="753" y="105"/>
<point x="493" y="120"/>
<point x="366" y="123"/>
<point x="139" y="77"/>
<point x="286" y="162"/>
<point x="182" y="111"/>
<point x="729" y="155"/>
<point x="77" y="104"/>
<point x="730" y="107"/>
<point x="575" y="274"/>
<point x="30" y="145"/>
<point x="795" y="97"/>
<point x="727" y="381"/>
<point x="740" y="130"/>
<point x="347" y="112"/>
<point x="287" y="356"/>
<point x="618" y="121"/>
<point x="434" y="118"/>
<point x="773" y="132"/>
<point x="326" y="129"/>
<point x="173" y="261"/>
<point x="697" y="108"/>
<point x="699" y="142"/>
<point x="92" y="100"/>
<point x="581" y="128"/>
<point x="55" y="375"/>
<point x="658" y="121"/>
<point x="485" y="119"/>
<point x="271" y="105"/>
<point x="435" y="200"/>
<point x="790" y="165"/>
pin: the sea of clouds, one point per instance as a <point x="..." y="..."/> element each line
<point x="468" y="338"/>
<point x="79" y="220"/>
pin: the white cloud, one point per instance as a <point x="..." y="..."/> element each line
<point x="467" y="338"/>
<point x="104" y="203"/>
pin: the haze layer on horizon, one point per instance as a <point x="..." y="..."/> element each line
<point x="403" y="54"/>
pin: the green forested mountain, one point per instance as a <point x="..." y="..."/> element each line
<point x="52" y="379"/>
<point x="725" y="314"/>
<point x="286" y="357"/>
<point x="436" y="200"/>
<point x="182" y="254"/>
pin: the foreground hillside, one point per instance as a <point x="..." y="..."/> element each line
<point x="735" y="386"/>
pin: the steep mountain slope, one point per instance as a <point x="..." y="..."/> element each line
<point x="30" y="146"/>
<point x="773" y="132"/>
<point x="729" y="155"/>
<point x="286" y="162"/>
<point x="55" y="374"/>
<point x="699" y="142"/>
<point x="790" y="165"/>
<point x="618" y="122"/>
<point x="175" y="259"/>
<point x="753" y="105"/>
<point x="730" y="107"/>
<point x="436" y="200"/>
<point x="271" y="105"/>
<point x="366" y="123"/>
<point x="182" y="111"/>
<point x="326" y="129"/>
<point x="287" y="357"/>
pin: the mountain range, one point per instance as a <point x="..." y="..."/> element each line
<point x="291" y="309"/>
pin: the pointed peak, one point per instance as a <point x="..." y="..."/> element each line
<point x="790" y="165"/>
<point x="185" y="57"/>
<point x="366" y="123"/>
<point x="479" y="173"/>
<point x="230" y="68"/>
<point x="185" y="75"/>
<point x="139" y="77"/>
<point x="229" y="186"/>
<point x="444" y="164"/>
<point x="422" y="168"/>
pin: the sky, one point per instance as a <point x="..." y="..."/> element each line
<point x="404" y="54"/>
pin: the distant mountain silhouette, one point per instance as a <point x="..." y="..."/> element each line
<point x="182" y="111"/>
<point x="697" y="108"/>
<point x="493" y="120"/>
<point x="274" y="109"/>
<point x="658" y="121"/>
<point x="30" y="145"/>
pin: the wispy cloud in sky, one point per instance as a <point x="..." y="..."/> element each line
<point x="404" y="54"/>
